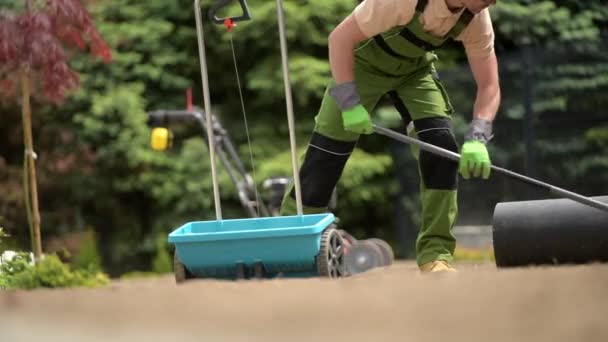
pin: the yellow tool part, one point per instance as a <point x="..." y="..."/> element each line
<point x="161" y="139"/>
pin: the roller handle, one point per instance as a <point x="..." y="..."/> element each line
<point x="222" y="3"/>
<point x="527" y="180"/>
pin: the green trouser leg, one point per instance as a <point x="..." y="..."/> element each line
<point x="439" y="212"/>
<point x="435" y="239"/>
<point x="426" y="100"/>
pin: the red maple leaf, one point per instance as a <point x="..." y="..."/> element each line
<point x="40" y="38"/>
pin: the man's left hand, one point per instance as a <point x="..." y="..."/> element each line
<point x="474" y="160"/>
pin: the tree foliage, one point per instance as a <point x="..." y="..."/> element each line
<point x="33" y="59"/>
<point x="37" y="37"/>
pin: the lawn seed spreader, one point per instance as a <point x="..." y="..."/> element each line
<point x="360" y="255"/>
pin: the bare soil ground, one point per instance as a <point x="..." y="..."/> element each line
<point x="480" y="303"/>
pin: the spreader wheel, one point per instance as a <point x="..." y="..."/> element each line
<point x="330" y="260"/>
<point x="349" y="239"/>
<point x="363" y="256"/>
<point x="181" y="272"/>
<point x="386" y="249"/>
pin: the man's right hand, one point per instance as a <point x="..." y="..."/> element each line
<point x="355" y="117"/>
<point x="357" y="120"/>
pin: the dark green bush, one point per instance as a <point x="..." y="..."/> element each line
<point x="88" y="257"/>
<point x="162" y="262"/>
<point x="2" y="235"/>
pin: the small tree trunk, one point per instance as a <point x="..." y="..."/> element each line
<point x="30" y="162"/>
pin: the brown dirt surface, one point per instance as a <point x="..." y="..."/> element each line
<point x="479" y="303"/>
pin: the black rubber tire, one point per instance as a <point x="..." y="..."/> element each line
<point x="386" y="249"/>
<point x="330" y="260"/>
<point x="180" y="271"/>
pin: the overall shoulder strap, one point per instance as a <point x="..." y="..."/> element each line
<point x="421" y="5"/>
<point x="463" y="21"/>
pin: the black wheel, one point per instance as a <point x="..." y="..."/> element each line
<point x="180" y="271"/>
<point x="259" y="271"/>
<point x="330" y="260"/>
<point x="386" y="249"/>
<point x="363" y="256"/>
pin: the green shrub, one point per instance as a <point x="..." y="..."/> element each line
<point x="5" y="243"/>
<point x="88" y="257"/>
<point x="2" y="235"/>
<point x="49" y="272"/>
<point x="162" y="262"/>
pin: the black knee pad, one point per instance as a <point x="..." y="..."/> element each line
<point x="322" y="167"/>
<point x="438" y="173"/>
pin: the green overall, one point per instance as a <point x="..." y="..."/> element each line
<point x="399" y="62"/>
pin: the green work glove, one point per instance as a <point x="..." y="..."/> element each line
<point x="355" y="117"/>
<point x="474" y="157"/>
<point x="357" y="120"/>
<point x="474" y="160"/>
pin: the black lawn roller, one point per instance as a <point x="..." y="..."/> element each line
<point x="553" y="231"/>
<point x="569" y="230"/>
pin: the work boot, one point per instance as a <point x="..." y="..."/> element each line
<point x="436" y="266"/>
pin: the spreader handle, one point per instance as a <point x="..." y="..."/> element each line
<point x="527" y="180"/>
<point x="221" y="3"/>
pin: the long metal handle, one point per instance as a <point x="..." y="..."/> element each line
<point x="290" y="120"/>
<point x="527" y="180"/>
<point x="207" y="103"/>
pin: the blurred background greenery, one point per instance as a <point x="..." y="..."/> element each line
<point x="110" y="200"/>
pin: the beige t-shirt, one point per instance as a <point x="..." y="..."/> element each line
<point x="377" y="16"/>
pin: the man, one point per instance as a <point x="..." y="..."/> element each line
<point x="386" y="47"/>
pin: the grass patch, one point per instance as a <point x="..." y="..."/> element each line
<point x="474" y="254"/>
